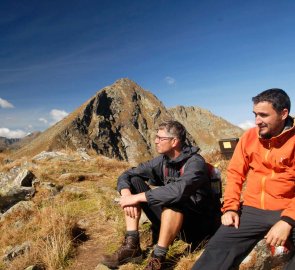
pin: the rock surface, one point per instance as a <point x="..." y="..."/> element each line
<point x="264" y="257"/>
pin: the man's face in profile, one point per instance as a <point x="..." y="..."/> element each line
<point x="269" y="122"/>
<point x="164" y="141"/>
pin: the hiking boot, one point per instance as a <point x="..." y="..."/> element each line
<point x="130" y="251"/>
<point x="155" y="262"/>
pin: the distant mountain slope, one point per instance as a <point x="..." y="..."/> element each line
<point x="206" y="128"/>
<point x="119" y="121"/>
<point x="16" y="143"/>
<point x="5" y="143"/>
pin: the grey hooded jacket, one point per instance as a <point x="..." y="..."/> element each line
<point x="191" y="189"/>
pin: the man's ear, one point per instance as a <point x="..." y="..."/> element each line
<point x="176" y="143"/>
<point x="284" y="114"/>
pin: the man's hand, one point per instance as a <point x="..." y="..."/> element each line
<point x="278" y="234"/>
<point x="130" y="202"/>
<point x="132" y="211"/>
<point x="230" y="218"/>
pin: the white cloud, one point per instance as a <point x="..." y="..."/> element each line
<point x="43" y="120"/>
<point x="6" y="132"/>
<point x="5" y="104"/>
<point x="170" y="80"/>
<point x="247" y="124"/>
<point x="57" y="115"/>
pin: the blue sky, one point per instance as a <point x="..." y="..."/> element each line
<point x="55" y="55"/>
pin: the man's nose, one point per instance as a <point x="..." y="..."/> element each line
<point x="258" y="120"/>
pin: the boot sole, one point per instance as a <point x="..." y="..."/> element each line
<point x="137" y="259"/>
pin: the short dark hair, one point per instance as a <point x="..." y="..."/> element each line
<point x="175" y="129"/>
<point x="277" y="97"/>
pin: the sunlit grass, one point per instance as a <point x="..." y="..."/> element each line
<point x="49" y="226"/>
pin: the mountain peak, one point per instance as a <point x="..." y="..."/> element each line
<point x="120" y="120"/>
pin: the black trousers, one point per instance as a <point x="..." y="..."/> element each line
<point x="196" y="227"/>
<point x="229" y="246"/>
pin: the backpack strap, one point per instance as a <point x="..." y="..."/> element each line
<point x="166" y="170"/>
<point x="182" y="169"/>
<point x="213" y="174"/>
<point x="210" y="169"/>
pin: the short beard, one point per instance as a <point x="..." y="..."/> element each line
<point x="265" y="136"/>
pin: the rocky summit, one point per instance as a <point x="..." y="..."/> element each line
<point x="119" y="121"/>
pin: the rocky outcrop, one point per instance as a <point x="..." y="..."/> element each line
<point x="19" y="210"/>
<point x="15" y="195"/>
<point x="120" y="121"/>
<point x="24" y="179"/>
<point x="16" y="251"/>
<point x="15" y="186"/>
<point x="264" y="257"/>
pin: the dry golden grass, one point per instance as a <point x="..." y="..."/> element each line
<point x="49" y="232"/>
<point x="56" y="245"/>
<point x="49" y="228"/>
<point x="51" y="225"/>
<point x="2" y="157"/>
<point x="217" y="160"/>
<point x="5" y="167"/>
<point x="186" y="262"/>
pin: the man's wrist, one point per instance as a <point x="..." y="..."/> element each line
<point x="229" y="210"/>
<point x="289" y="220"/>
<point x="125" y="192"/>
<point x="141" y="197"/>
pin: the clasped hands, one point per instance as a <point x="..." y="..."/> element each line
<point x="130" y="202"/>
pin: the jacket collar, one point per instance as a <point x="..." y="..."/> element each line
<point x="187" y="152"/>
<point x="289" y="127"/>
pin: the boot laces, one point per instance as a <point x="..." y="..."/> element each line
<point x="154" y="264"/>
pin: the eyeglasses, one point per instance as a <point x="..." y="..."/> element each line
<point x="160" y="138"/>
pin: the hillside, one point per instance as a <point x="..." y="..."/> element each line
<point x="14" y="144"/>
<point x="58" y="210"/>
<point x="119" y="122"/>
<point x="206" y="128"/>
<point x="63" y="213"/>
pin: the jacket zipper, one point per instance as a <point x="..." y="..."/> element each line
<point x="263" y="180"/>
<point x="262" y="192"/>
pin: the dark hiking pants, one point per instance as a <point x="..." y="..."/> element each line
<point x="196" y="227"/>
<point x="229" y="246"/>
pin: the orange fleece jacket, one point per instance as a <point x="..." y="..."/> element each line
<point x="267" y="167"/>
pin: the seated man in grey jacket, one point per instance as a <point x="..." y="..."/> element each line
<point x="181" y="204"/>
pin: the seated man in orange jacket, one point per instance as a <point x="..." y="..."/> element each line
<point x="264" y="160"/>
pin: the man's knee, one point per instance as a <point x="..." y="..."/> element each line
<point x="173" y="215"/>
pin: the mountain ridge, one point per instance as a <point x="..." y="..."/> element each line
<point x="119" y="121"/>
